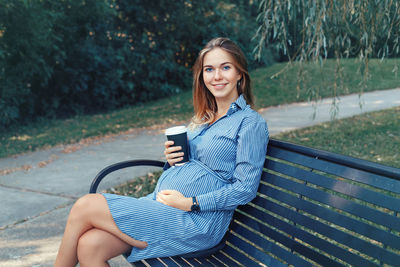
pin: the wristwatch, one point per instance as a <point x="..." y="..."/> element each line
<point x="195" y="206"/>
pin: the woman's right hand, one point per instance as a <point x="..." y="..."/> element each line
<point x="171" y="153"/>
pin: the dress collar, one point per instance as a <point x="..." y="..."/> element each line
<point x="240" y="103"/>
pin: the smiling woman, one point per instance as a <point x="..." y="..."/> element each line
<point x="192" y="204"/>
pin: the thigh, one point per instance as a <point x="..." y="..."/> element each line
<point x="96" y="211"/>
<point x="100" y="245"/>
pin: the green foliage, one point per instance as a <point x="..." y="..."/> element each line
<point x="317" y="29"/>
<point x="62" y="58"/>
<point x="305" y="30"/>
<point x="21" y="53"/>
<point x="162" y="38"/>
<point x="55" y="57"/>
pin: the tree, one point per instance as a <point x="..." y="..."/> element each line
<point x="61" y="58"/>
<point x="314" y="30"/>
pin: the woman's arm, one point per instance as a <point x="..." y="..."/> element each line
<point x="250" y="156"/>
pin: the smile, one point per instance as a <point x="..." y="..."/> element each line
<point x="220" y="85"/>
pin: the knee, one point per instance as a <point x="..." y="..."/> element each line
<point x="88" y="248"/>
<point x="81" y="208"/>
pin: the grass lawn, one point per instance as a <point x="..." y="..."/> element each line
<point x="268" y="92"/>
<point x="372" y="136"/>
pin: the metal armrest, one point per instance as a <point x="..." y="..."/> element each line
<point x="121" y="165"/>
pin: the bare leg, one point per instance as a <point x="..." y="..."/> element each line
<point x="90" y="211"/>
<point x="96" y="247"/>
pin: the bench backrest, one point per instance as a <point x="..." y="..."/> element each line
<point x="319" y="208"/>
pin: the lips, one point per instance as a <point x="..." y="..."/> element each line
<point x="219" y="85"/>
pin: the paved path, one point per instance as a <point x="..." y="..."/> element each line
<point x="37" y="189"/>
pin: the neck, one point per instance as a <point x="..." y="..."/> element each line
<point x="222" y="109"/>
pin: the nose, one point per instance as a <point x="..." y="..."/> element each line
<point x="217" y="75"/>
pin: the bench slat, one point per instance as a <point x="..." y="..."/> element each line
<point x="195" y="261"/>
<point x="378" y="181"/>
<point x="309" y="238"/>
<point x="213" y="261"/>
<point x="285" y="240"/>
<point x="269" y="246"/>
<point x="362" y="193"/>
<point x="180" y="261"/>
<point x="152" y="262"/>
<point x="227" y="261"/>
<point x="351" y="224"/>
<point x="254" y="252"/>
<point x="328" y="214"/>
<point x="238" y="256"/>
<point x="169" y="262"/>
<point x="331" y="232"/>
<point x="289" y="199"/>
<point x="361" y="164"/>
<point x="138" y="263"/>
<point x="349" y="206"/>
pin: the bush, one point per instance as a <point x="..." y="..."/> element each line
<point x="53" y="63"/>
<point x="60" y="58"/>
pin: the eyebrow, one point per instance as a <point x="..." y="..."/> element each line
<point x="207" y="66"/>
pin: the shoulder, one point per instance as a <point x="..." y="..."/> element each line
<point x="250" y="118"/>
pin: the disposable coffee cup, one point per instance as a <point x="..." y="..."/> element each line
<point x="178" y="134"/>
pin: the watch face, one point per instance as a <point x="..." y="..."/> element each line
<point x="195" y="207"/>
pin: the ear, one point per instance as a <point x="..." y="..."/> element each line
<point x="240" y="76"/>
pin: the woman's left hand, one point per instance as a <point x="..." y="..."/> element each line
<point x="174" y="199"/>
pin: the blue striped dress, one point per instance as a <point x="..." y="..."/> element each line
<point x="226" y="160"/>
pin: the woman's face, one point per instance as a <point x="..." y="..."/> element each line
<point x="220" y="75"/>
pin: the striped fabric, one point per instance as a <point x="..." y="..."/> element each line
<point x="224" y="170"/>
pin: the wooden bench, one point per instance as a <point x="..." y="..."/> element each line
<point x="313" y="208"/>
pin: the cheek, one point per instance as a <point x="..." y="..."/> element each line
<point x="234" y="77"/>
<point x="207" y="78"/>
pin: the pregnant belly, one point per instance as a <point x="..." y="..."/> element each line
<point x="191" y="179"/>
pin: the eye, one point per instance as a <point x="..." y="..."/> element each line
<point x="227" y="67"/>
<point x="208" y="69"/>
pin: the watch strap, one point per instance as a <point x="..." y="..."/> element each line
<point x="195" y="206"/>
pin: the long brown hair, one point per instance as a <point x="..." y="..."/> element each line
<point x="205" y="106"/>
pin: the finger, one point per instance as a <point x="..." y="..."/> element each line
<point x="140" y="244"/>
<point x="172" y="162"/>
<point x="172" y="149"/>
<point x="160" y="198"/>
<point x="175" y="155"/>
<point x="172" y="159"/>
<point x="168" y="143"/>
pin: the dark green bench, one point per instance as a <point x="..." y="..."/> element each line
<point x="313" y="208"/>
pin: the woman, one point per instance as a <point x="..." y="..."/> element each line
<point x="192" y="204"/>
